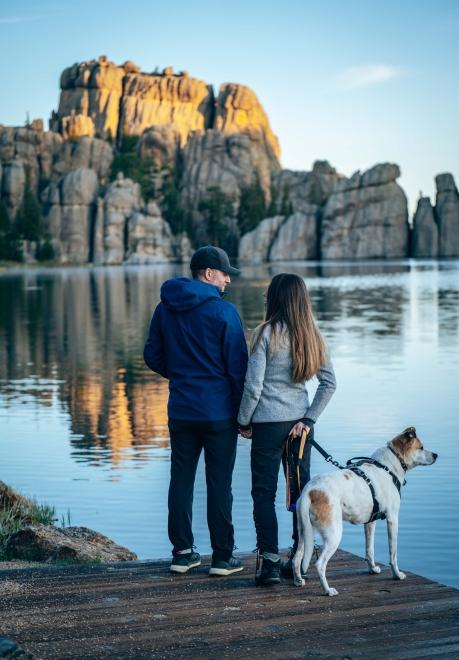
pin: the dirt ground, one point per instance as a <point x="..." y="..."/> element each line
<point x="18" y="563"/>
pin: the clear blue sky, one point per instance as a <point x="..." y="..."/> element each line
<point x="355" y="82"/>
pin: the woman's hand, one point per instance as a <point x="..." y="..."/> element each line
<point x="246" y="433"/>
<point x="297" y="430"/>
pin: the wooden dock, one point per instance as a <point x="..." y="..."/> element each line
<point x="139" y="610"/>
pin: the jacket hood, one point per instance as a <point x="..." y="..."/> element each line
<point x="182" y="293"/>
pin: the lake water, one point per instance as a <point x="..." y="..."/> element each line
<point x="83" y="422"/>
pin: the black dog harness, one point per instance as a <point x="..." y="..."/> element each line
<point x="354" y="464"/>
<point x="376" y="514"/>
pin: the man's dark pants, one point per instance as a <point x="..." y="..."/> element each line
<point x="188" y="439"/>
<point x="268" y="444"/>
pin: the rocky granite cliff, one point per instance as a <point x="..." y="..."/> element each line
<point x="140" y="167"/>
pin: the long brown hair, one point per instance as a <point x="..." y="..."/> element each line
<point x="288" y="306"/>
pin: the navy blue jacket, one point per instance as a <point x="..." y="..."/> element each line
<point x="196" y="340"/>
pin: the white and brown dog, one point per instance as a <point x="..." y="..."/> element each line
<point x="329" y="499"/>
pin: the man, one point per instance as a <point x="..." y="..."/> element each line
<point x="196" y="340"/>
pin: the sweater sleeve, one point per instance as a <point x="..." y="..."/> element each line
<point x="154" y="352"/>
<point x="327" y="386"/>
<point x="254" y="378"/>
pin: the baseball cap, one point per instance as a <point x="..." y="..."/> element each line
<point x="212" y="257"/>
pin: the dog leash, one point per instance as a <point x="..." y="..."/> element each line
<point x="292" y="471"/>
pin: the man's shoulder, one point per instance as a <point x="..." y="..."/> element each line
<point x="226" y="310"/>
<point x="219" y="310"/>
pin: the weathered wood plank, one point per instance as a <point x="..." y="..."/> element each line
<point x="140" y="610"/>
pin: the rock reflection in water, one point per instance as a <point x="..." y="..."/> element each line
<point x="84" y="330"/>
<point x="108" y="422"/>
<point x="76" y="336"/>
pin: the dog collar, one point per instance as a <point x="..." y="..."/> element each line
<point x="402" y="462"/>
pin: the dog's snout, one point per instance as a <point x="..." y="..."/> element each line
<point x="435" y="456"/>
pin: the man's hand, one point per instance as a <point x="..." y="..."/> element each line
<point x="246" y="433"/>
<point x="297" y="430"/>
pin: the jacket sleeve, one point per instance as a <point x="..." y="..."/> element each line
<point x="154" y="351"/>
<point x="254" y="378"/>
<point x="327" y="386"/>
<point x="234" y="349"/>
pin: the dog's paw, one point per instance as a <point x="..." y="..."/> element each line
<point x="375" y="570"/>
<point x="332" y="592"/>
<point x="299" y="583"/>
<point x="400" y="576"/>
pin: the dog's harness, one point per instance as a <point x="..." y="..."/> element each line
<point x="350" y="465"/>
<point x="354" y="464"/>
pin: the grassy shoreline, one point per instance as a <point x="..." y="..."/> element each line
<point x="16" y="512"/>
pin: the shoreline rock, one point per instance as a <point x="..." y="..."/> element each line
<point x="28" y="535"/>
<point x="46" y="543"/>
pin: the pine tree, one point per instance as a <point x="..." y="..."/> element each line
<point x="216" y="208"/>
<point x="29" y="220"/>
<point x="4" y="230"/>
<point x="45" y="250"/>
<point x="140" y="170"/>
<point x="252" y="207"/>
<point x="4" y="218"/>
<point x="272" y="209"/>
<point x="173" y="211"/>
<point x="10" y="245"/>
<point x="286" y="205"/>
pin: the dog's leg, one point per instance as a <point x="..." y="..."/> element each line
<point x="305" y="542"/>
<point x="392" y="530"/>
<point x="308" y="549"/>
<point x="297" y="559"/>
<point x="370" y="547"/>
<point x="332" y="536"/>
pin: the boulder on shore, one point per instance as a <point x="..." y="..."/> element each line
<point x="80" y="544"/>
<point x="36" y="541"/>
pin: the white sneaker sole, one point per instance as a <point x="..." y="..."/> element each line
<point x="225" y="571"/>
<point x="183" y="569"/>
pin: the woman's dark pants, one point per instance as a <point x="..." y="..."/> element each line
<point x="268" y="444"/>
<point x="188" y="439"/>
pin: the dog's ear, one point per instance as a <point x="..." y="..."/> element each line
<point x="401" y="442"/>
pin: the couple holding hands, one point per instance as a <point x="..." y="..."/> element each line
<point x="196" y="341"/>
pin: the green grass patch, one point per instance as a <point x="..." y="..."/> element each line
<point x="21" y="513"/>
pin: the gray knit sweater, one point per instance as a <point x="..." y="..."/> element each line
<point x="270" y="395"/>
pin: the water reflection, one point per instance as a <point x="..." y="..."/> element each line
<point x="73" y="338"/>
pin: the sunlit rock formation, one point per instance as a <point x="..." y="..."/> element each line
<point x="140" y="166"/>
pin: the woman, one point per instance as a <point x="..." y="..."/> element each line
<point x="287" y="351"/>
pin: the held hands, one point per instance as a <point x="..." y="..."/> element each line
<point x="297" y="430"/>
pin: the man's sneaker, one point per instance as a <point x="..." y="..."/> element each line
<point x="287" y="569"/>
<point x="183" y="563"/>
<point x="222" y="567"/>
<point x="269" y="573"/>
